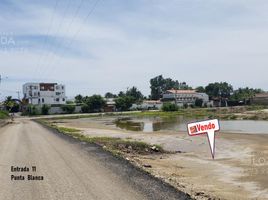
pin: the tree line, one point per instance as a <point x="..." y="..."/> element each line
<point x="123" y="100"/>
<point x="158" y="85"/>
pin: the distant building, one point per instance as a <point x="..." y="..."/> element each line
<point x="44" y="93"/>
<point x="110" y="105"/>
<point x="261" y="98"/>
<point x="148" y="105"/>
<point x="184" y="96"/>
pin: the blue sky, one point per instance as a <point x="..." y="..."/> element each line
<point x="125" y="43"/>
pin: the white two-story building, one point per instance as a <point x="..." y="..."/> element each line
<point x="44" y="93"/>
<point x="184" y="96"/>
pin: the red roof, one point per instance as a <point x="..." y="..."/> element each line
<point x="262" y="95"/>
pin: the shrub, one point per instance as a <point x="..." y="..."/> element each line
<point x="32" y="110"/>
<point x="69" y="109"/>
<point x="95" y="103"/>
<point x="3" y="114"/>
<point x="45" y="109"/>
<point x="198" y="102"/>
<point x="169" y="107"/>
<point x="85" y="109"/>
<point x="124" y="103"/>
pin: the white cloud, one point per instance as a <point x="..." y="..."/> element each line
<point x="197" y="42"/>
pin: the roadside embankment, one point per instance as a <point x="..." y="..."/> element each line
<point x="117" y="146"/>
<point x="3" y="118"/>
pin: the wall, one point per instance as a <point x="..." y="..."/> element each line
<point x="260" y="101"/>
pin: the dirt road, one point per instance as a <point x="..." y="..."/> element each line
<point x="67" y="169"/>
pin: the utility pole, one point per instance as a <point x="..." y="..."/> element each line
<point x="1" y="78"/>
<point x="18" y="92"/>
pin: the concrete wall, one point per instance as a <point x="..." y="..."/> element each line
<point x="260" y="101"/>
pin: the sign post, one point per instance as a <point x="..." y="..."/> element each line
<point x="208" y="127"/>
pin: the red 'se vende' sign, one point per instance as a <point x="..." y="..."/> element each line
<point x="208" y="127"/>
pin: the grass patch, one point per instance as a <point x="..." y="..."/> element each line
<point x="69" y="130"/>
<point x="74" y="117"/>
<point x="256" y="107"/>
<point x="190" y="112"/>
<point x="3" y="115"/>
<point x="91" y="115"/>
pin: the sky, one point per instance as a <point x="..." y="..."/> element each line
<point x="99" y="46"/>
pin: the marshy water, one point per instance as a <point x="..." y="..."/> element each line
<point x="152" y="124"/>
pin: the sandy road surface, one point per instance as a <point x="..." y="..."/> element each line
<point x="71" y="170"/>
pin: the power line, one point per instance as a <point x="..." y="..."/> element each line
<point x="81" y="27"/>
<point x="48" y="53"/>
<point x="46" y="37"/>
<point x="67" y="31"/>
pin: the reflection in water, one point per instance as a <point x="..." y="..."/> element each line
<point x="150" y="124"/>
<point x="128" y="124"/>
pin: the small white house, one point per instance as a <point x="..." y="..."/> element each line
<point x="44" y="93"/>
<point x="148" y="105"/>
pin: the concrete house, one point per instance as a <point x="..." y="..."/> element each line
<point x="184" y="96"/>
<point x="148" y="105"/>
<point x="44" y="93"/>
<point x="261" y="99"/>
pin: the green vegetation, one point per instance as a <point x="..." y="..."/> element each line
<point x="94" y="103"/>
<point x="124" y="103"/>
<point x="11" y="105"/>
<point x="110" y="95"/>
<point x="243" y="94"/>
<point x="68" y="108"/>
<point x="78" y="99"/>
<point x="198" y="103"/>
<point x="3" y="114"/>
<point x="194" y="113"/>
<point x="31" y="110"/>
<point x="67" y="130"/>
<point x="219" y="90"/>
<point x="169" y="107"/>
<point x="256" y="107"/>
<point x="135" y="94"/>
<point x="45" y="109"/>
<point x="159" y="84"/>
<point x="200" y="89"/>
